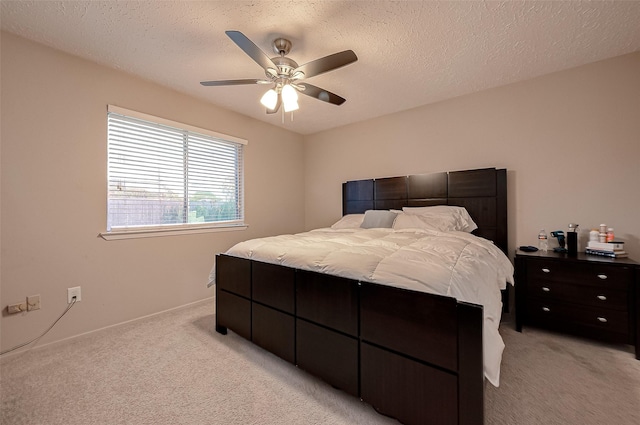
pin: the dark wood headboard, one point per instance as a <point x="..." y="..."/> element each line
<point x="482" y="192"/>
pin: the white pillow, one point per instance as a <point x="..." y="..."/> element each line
<point x="445" y="218"/>
<point x="377" y="219"/>
<point x="412" y="221"/>
<point x="349" y="221"/>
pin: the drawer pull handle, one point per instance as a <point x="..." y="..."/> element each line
<point x="546" y="270"/>
<point x="602" y="297"/>
<point x="602" y="319"/>
<point x="546" y="309"/>
<point x="545" y="289"/>
<point x="602" y="276"/>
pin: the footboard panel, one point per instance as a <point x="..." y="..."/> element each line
<point x="233" y="275"/>
<point x="274" y="331"/>
<point x="421" y="356"/>
<point x="327" y="300"/>
<point x="411" y="391"/>
<point x="420" y="325"/>
<point x="233" y="312"/>
<point x="329" y="355"/>
<point x="411" y="355"/>
<point x="233" y="295"/>
<point x="327" y="342"/>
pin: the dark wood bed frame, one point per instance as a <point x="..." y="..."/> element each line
<point x="413" y="356"/>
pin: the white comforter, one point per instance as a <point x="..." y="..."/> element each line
<point x="456" y="264"/>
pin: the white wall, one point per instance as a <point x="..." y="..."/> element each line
<point x="570" y="142"/>
<point x="53" y="176"/>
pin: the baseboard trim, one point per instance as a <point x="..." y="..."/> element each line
<point x="38" y="347"/>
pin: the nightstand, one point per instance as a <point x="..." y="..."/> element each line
<point x="585" y="295"/>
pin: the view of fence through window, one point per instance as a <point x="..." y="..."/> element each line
<point x="165" y="176"/>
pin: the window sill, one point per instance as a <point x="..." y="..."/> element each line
<point x="137" y="234"/>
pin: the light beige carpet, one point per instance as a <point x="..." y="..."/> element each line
<point x="175" y="369"/>
<point x="555" y="379"/>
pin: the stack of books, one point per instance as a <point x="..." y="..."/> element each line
<point x="607" y="249"/>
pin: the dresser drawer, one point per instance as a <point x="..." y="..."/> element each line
<point x="601" y="275"/>
<point x="593" y="296"/>
<point x="600" y="321"/>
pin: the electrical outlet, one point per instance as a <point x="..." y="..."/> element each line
<point x="74" y="292"/>
<point x="33" y="302"/>
<point x="16" y="308"/>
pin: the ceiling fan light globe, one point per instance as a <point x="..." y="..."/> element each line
<point x="270" y="99"/>
<point x="324" y="96"/>
<point x="289" y="94"/>
<point x="291" y="106"/>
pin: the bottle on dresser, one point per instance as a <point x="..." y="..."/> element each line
<point x="602" y="236"/>
<point x="543" y="242"/>
<point x="610" y="236"/>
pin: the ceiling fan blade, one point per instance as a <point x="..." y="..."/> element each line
<point x="327" y="63"/>
<point x="274" y="110"/>
<point x="233" y="82"/>
<point x="252" y="50"/>
<point x="322" y="94"/>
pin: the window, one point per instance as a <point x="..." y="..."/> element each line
<point x="163" y="175"/>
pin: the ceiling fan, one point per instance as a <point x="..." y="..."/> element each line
<point x="286" y="75"/>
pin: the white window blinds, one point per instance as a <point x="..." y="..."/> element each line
<point x="163" y="174"/>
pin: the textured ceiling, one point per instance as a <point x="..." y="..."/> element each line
<point x="411" y="53"/>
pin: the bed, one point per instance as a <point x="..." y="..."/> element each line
<point x="413" y="354"/>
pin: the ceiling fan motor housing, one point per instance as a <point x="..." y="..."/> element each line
<point x="285" y="65"/>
